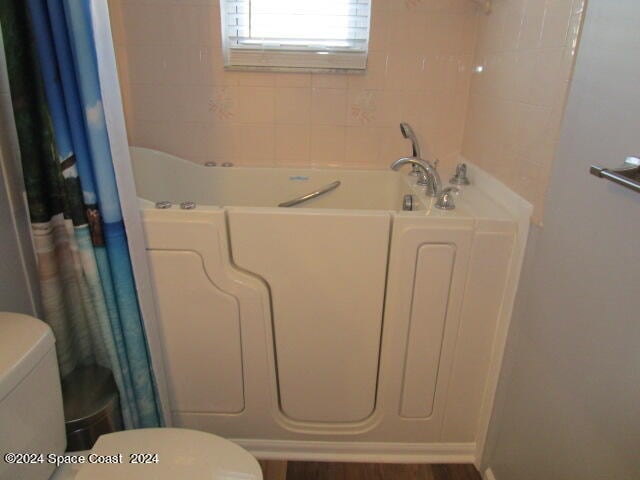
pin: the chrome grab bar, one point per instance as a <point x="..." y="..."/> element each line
<point x="309" y="196"/>
<point x="628" y="175"/>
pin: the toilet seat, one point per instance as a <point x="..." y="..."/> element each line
<point x="182" y="453"/>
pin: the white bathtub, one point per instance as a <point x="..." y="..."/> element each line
<point x="178" y="181"/>
<point x="341" y="328"/>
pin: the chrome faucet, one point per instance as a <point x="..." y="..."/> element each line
<point x="427" y="174"/>
<point x="408" y="133"/>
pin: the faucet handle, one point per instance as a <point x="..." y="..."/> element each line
<point x="446" y="199"/>
<point x="423" y="180"/>
<point x="460" y="178"/>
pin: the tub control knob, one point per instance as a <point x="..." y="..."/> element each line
<point x="460" y="178"/>
<point x="210" y="164"/>
<point x="227" y="164"/>
<point x="445" y="199"/>
<point x="188" y="205"/>
<point x="163" y="205"/>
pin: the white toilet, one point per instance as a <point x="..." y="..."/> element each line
<point x="32" y="421"/>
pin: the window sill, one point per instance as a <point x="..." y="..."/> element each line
<point x="340" y="71"/>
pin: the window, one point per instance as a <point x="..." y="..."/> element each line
<point x="296" y="34"/>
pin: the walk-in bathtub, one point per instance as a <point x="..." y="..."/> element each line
<point x="344" y="327"/>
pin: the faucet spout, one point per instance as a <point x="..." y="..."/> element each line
<point x="428" y="177"/>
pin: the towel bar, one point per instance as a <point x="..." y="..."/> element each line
<point x="628" y="175"/>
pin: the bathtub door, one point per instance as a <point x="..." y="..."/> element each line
<point x="326" y="272"/>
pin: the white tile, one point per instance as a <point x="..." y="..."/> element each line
<point x="254" y="104"/>
<point x="327" y="145"/>
<point x="253" y="143"/>
<point x="293" y="105"/>
<point x="292" y="144"/>
<point x="361" y="145"/>
<point x="328" y="106"/>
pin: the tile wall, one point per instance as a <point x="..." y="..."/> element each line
<point x="523" y="64"/>
<point x="179" y="98"/>
<point x="491" y="87"/>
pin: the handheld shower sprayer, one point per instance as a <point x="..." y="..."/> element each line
<point x="409" y="134"/>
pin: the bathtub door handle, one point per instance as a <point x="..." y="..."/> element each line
<point x="309" y="196"/>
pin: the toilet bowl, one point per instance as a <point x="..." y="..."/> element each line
<point x="32" y="422"/>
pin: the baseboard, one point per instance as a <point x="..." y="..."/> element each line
<point x="488" y="475"/>
<point x="359" y="451"/>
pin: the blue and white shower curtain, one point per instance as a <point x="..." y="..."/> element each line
<point x="88" y="293"/>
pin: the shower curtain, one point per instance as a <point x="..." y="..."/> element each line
<point x="86" y="280"/>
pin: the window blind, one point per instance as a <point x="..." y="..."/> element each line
<point x="296" y="33"/>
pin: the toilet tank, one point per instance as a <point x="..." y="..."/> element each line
<point x="31" y="414"/>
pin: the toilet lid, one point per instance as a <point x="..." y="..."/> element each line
<point x="181" y="454"/>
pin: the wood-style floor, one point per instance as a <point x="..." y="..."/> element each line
<point x="369" y="471"/>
